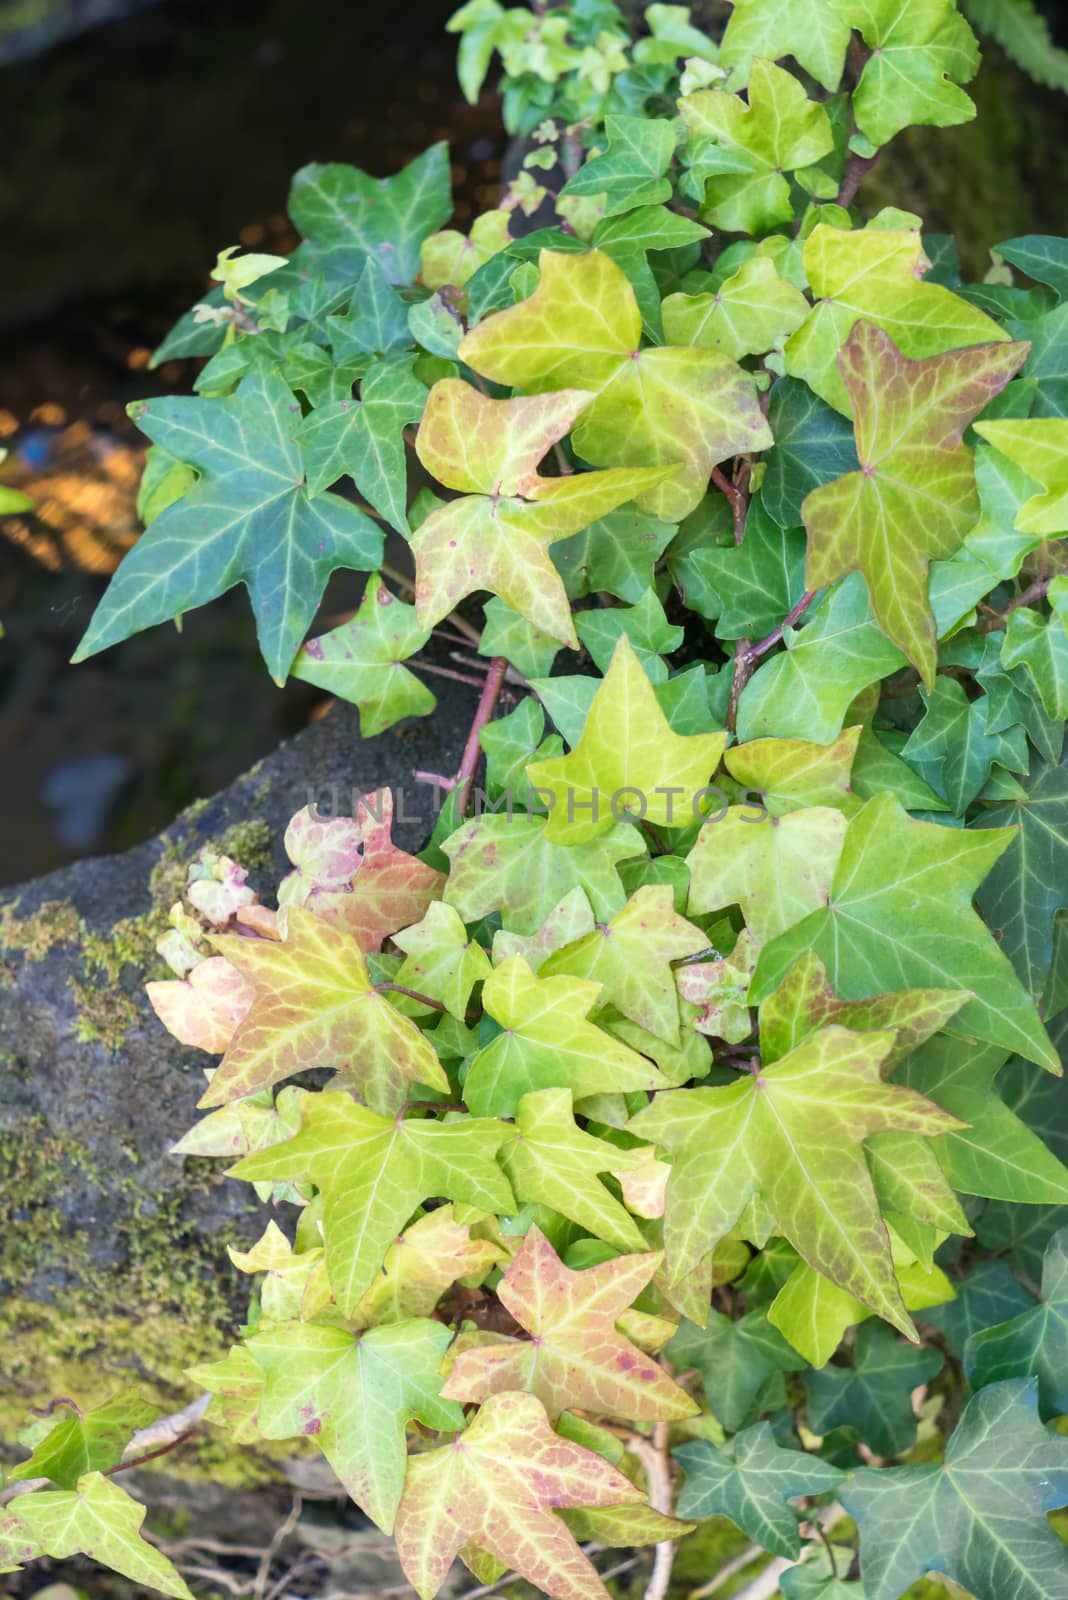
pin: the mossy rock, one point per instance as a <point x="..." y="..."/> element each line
<point x="113" y="1264"/>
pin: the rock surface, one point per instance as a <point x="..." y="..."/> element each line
<point x="113" y="1265"/>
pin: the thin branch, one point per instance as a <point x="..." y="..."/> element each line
<point x="1034" y="591"/>
<point x="150" y="1455"/>
<point x="281" y="1534"/>
<point x="728" y="1571"/>
<point x="413" y="994"/>
<point x="857" y="169"/>
<point x="738" y="499"/>
<point x="746" y="654"/>
<point x="653" y="1455"/>
<point x="487" y="705"/>
<point x="445" y="672"/>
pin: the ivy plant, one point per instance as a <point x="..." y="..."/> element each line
<point x="686" y="1140"/>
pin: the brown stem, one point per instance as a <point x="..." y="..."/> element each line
<point x="653" y="1455"/>
<point x="746" y="655"/>
<point x="413" y="994"/>
<point x="444" y="672"/>
<point x="149" y="1455"/>
<point x="1034" y="591"/>
<point x="487" y="705"/>
<point x="857" y="169"/>
<point x="738" y="499"/>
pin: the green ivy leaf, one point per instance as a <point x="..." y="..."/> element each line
<point x="751" y="312"/>
<point x="953" y="740"/>
<point x="740" y="152"/>
<point x="373" y="1172"/>
<point x="345" y="216"/>
<point x="552" y="1162"/>
<point x="90" y="1441"/>
<point x="442" y="960"/>
<point x="875" y="273"/>
<point x="354" y="1395"/>
<point x="365" y="439"/>
<point x="979" y="1516"/>
<point x="873" y="1397"/>
<point x="768" y="1136"/>
<point x="738" y="1361"/>
<point x="615" y="555"/>
<point x="631" y="172"/>
<point x="920" y="51"/>
<point x="1032" y="1344"/>
<point x="900" y="912"/>
<point x="650" y="770"/>
<point x="546" y="1042"/>
<point x="360" y="661"/>
<point x="751" y="1479"/>
<point x="249" y="519"/>
<point x="814" y="32"/>
<point x="97" y="1519"/>
<point x="678" y="406"/>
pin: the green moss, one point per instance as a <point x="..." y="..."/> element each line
<point x="55" y="922"/>
<point x="169" y="1301"/>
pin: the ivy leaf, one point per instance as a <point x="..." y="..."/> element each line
<point x="552" y="1162"/>
<point x="740" y="152"/>
<point x="376" y="323"/>
<point x="373" y="1172"/>
<point x="616" y="555"/>
<point x="434" y="1252"/>
<point x="806" y="691"/>
<point x="914" y="499"/>
<point x="805" y="1001"/>
<point x="751" y="1479"/>
<point x="815" y="1315"/>
<point x="813" y="445"/>
<point x="511" y="865"/>
<point x="449" y="259"/>
<point x="873" y="1397"/>
<point x="360" y="661"/>
<point x="790" y="774"/>
<point x="768" y="1136"/>
<point x="1041" y="257"/>
<point x="952" y="738"/>
<point x="815" y="1581"/>
<point x="249" y="519"/>
<point x="88" y="1441"/>
<point x="720" y="990"/>
<point x="814" y="33"/>
<point x="498" y="1492"/>
<point x="498" y="535"/>
<point x="748" y="588"/>
<point x="900" y="914"/>
<point x="315" y="1006"/>
<point x="875" y="274"/>
<point x="442" y="960"/>
<point x="752" y="311"/>
<point x="582" y="327"/>
<point x="631" y="172"/>
<point x="920" y="52"/>
<point x="645" y="625"/>
<point x="354" y="1394"/>
<point x="1035" y="1343"/>
<point x="631" y="958"/>
<point x="650" y="766"/>
<point x="346" y="216"/>
<point x="997" y="1154"/>
<point x="546" y="1042"/>
<point x="577" y="1361"/>
<point x="979" y="1516"/>
<point x="736" y="1360"/>
<point x="1029" y="884"/>
<point x="777" y="869"/>
<point x="96" y="1519"/>
<point x="365" y="439"/>
<point x="388" y="889"/>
